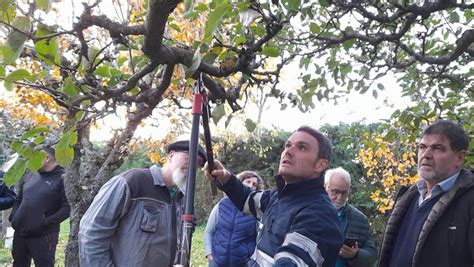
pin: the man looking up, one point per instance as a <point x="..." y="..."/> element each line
<point x="135" y="218"/>
<point x="432" y="222"/>
<point x="359" y="248"/>
<point x="300" y="225"/>
<point x="39" y="209"/>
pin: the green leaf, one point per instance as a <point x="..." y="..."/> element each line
<point x="345" y="69"/>
<point x="214" y="19"/>
<point x="2" y="71"/>
<point x="16" y="145"/>
<point x="44" y="5"/>
<point x="16" y="40"/>
<point x="175" y="27"/>
<point x="15" y="172"/>
<point x="347" y="44"/>
<point x="250" y="125"/>
<point x="468" y="14"/>
<point x="324" y="3"/>
<point x="47" y="49"/>
<point x="191" y="15"/>
<point x="40" y="139"/>
<point x="217" y="113"/>
<point x="375" y="94"/>
<point x="103" y="71"/>
<point x="7" y="10"/>
<point x="380" y="86"/>
<point x="17" y="75"/>
<point x="188" y="5"/>
<point x="69" y="87"/>
<point x="33" y="132"/>
<point x="454" y="16"/>
<point x="64" y="156"/>
<point x="64" y="149"/>
<point x="80" y="115"/>
<point x="271" y="51"/>
<point x="314" y="27"/>
<point x="36" y="161"/>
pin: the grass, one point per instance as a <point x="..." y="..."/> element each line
<point x="197" y="250"/>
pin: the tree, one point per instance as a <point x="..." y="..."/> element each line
<point x="146" y="59"/>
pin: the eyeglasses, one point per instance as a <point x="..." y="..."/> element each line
<point x="336" y="192"/>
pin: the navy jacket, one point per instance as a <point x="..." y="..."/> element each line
<point x="7" y="196"/>
<point x="300" y="224"/>
<point x="234" y="240"/>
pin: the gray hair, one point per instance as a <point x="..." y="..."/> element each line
<point x="338" y="170"/>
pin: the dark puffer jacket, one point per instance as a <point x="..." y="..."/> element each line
<point x="234" y="240"/>
<point x="357" y="226"/>
<point x="447" y="236"/>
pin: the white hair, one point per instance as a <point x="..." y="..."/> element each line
<point x="338" y="170"/>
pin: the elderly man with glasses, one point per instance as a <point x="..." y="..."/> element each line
<point x="358" y="249"/>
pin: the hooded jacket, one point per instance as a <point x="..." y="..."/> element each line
<point x="41" y="204"/>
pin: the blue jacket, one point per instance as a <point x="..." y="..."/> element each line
<point x="234" y="240"/>
<point x="300" y="224"/>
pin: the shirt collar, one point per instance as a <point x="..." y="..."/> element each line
<point x="444" y="185"/>
<point x="157" y="176"/>
<point x="439" y="188"/>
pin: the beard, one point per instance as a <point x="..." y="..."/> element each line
<point x="179" y="179"/>
<point x="338" y="205"/>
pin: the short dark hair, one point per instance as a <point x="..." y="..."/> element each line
<point x="51" y="151"/>
<point x="458" y="138"/>
<point x="325" y="151"/>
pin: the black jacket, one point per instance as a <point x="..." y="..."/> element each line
<point x="447" y="236"/>
<point x="7" y="196"/>
<point x="41" y="204"/>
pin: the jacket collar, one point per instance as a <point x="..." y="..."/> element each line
<point x="310" y="184"/>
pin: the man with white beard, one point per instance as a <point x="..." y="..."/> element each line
<point x="135" y="217"/>
<point x="358" y="249"/>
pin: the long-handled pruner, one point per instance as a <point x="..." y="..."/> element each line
<point x="200" y="104"/>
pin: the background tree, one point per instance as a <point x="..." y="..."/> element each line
<point x="144" y="59"/>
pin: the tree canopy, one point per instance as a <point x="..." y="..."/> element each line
<point x="143" y="56"/>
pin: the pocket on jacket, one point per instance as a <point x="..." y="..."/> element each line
<point x="150" y="219"/>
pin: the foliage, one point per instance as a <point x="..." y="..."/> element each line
<point x="389" y="165"/>
<point x="145" y="58"/>
<point x="260" y="153"/>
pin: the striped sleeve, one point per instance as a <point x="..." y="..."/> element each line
<point x="246" y="200"/>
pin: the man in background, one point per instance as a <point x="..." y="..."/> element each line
<point x="39" y="209"/>
<point x="358" y="249"/>
<point x="432" y="222"/>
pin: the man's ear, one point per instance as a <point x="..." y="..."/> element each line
<point x="460" y="158"/>
<point x="170" y="155"/>
<point x="321" y="165"/>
